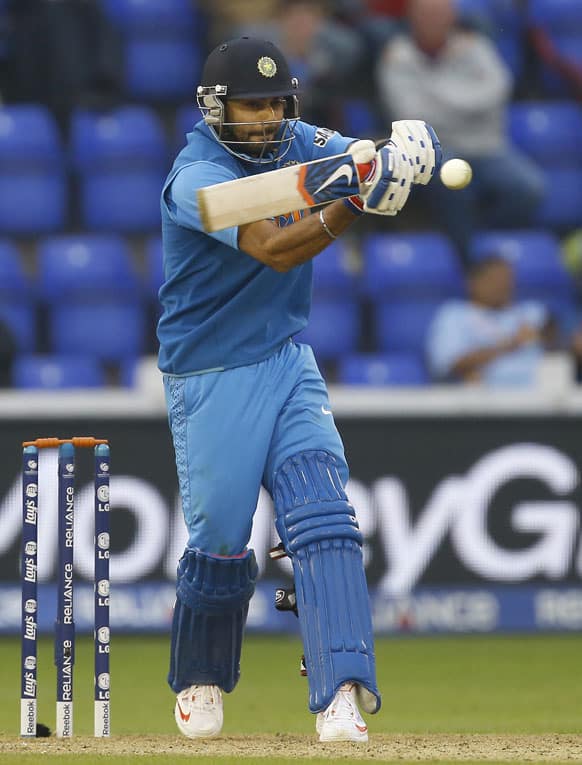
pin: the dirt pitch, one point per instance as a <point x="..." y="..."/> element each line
<point x="509" y="748"/>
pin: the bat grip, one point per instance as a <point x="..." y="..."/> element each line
<point x="365" y="169"/>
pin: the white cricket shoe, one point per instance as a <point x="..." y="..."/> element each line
<point x="198" y="711"/>
<point x="342" y="721"/>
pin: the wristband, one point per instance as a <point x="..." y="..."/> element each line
<point x="354" y="204"/>
<point x="325" y="227"/>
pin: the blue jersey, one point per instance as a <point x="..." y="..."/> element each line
<point x="221" y="307"/>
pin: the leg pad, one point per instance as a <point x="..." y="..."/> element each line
<point x="213" y="595"/>
<point x="320" y="532"/>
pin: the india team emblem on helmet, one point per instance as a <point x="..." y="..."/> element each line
<point x="266" y="66"/>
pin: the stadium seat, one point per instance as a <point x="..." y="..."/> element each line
<point x="556" y="16"/>
<point x="14" y="282"/>
<point x="74" y="266"/>
<point x="109" y="331"/>
<point x="32" y="203"/>
<point x="397" y="369"/>
<point x="561" y="21"/>
<point x="154" y="258"/>
<point x="20" y="318"/>
<point x="122" y="160"/>
<point x="410" y="266"/>
<point x="162" y="69"/>
<point x="333" y="329"/>
<point x="29" y="138"/>
<point x="561" y="207"/>
<point x="335" y="270"/>
<point x="536" y="259"/>
<point x="186" y="117"/>
<point x="122" y="201"/>
<point x="360" y="120"/>
<point x="162" y="41"/>
<point x="153" y="15"/>
<point x="401" y="326"/>
<point x="53" y="372"/>
<point x="127" y="137"/>
<point x="555" y="84"/>
<point x="33" y="188"/>
<point x="549" y="131"/>
<point x="17" y="299"/>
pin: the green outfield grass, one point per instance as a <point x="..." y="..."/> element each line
<point x="464" y="685"/>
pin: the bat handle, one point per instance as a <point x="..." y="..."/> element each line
<point x="365" y="169"/>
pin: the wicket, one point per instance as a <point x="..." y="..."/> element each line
<point x="64" y="623"/>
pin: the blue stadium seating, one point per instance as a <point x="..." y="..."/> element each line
<point x="29" y="138"/>
<point x="153" y="15"/>
<point x="570" y="48"/>
<point x="561" y="207"/>
<point x="109" y="331"/>
<point x="374" y="369"/>
<point x="333" y="329"/>
<point x="410" y="266"/>
<point x="14" y="282"/>
<point x="32" y="203"/>
<point x="162" y="47"/>
<point x="78" y="267"/>
<point x="556" y="16"/>
<point x="160" y="69"/>
<point x="401" y="326"/>
<point x="154" y="275"/>
<point x="187" y="116"/>
<point x="360" y="120"/>
<point x="127" y="137"/>
<point x="17" y="305"/>
<point x="57" y="372"/>
<point x="549" y="131"/>
<point x="122" y="201"/>
<point x="562" y="21"/>
<point x="122" y="160"/>
<point x="335" y="270"/>
<point x="20" y="318"/>
<point x="33" y="188"/>
<point x="536" y="259"/>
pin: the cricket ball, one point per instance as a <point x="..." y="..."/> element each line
<point x="456" y="174"/>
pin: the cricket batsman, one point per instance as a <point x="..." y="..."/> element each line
<point x="247" y="404"/>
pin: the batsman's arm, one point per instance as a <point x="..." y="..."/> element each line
<point x="284" y="248"/>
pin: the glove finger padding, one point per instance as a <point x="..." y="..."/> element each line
<point x="420" y="142"/>
<point x="387" y="190"/>
<point x="362" y="151"/>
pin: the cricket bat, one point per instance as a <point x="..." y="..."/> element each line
<point x="279" y="192"/>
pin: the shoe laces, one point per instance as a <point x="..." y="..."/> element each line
<point x="343" y="706"/>
<point x="205" y="697"/>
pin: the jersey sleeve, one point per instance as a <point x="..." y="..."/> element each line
<point x="182" y="205"/>
<point x="322" y="142"/>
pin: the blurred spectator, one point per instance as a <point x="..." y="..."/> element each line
<point x="324" y="54"/>
<point x="567" y="70"/>
<point x="62" y="53"/>
<point x="226" y="18"/>
<point x="454" y="79"/>
<point x="489" y="338"/>
<point x="7" y="353"/>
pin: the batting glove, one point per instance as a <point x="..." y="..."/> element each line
<point x="420" y="142"/>
<point x="364" y="153"/>
<point x="386" y="191"/>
